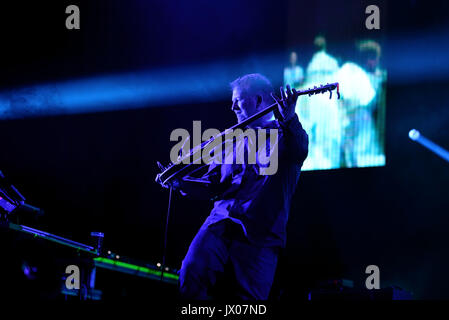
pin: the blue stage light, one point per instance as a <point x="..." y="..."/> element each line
<point x="162" y="87"/>
<point x="415" y="135"/>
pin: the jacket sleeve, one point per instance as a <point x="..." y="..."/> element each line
<point x="296" y="140"/>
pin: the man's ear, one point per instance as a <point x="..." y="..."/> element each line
<point x="258" y="101"/>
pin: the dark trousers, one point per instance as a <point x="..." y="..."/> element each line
<point x="223" y="244"/>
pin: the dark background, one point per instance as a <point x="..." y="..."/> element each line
<point x="95" y="172"/>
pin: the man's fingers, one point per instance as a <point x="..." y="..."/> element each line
<point x="289" y="91"/>
<point x="295" y="93"/>
<point x="283" y="97"/>
<point x="276" y="111"/>
<point x="160" y="165"/>
<point x="275" y="98"/>
<point x="158" y="176"/>
<point x="158" y="180"/>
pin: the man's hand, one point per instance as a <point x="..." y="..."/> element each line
<point x="158" y="176"/>
<point x="174" y="184"/>
<point x="287" y="103"/>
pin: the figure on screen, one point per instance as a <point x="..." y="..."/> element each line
<point x="293" y="74"/>
<point x="363" y="88"/>
<point x="321" y="116"/>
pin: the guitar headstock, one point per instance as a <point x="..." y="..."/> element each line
<point x="322" y="89"/>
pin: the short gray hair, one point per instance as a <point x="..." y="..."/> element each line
<point x="254" y="83"/>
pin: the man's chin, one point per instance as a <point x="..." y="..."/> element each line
<point x="241" y="119"/>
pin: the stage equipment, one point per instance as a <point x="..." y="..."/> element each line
<point x="87" y="257"/>
<point x="12" y="200"/>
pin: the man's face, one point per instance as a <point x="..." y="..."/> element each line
<point x="244" y="105"/>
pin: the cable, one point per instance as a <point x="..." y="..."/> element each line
<point x="165" y="234"/>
